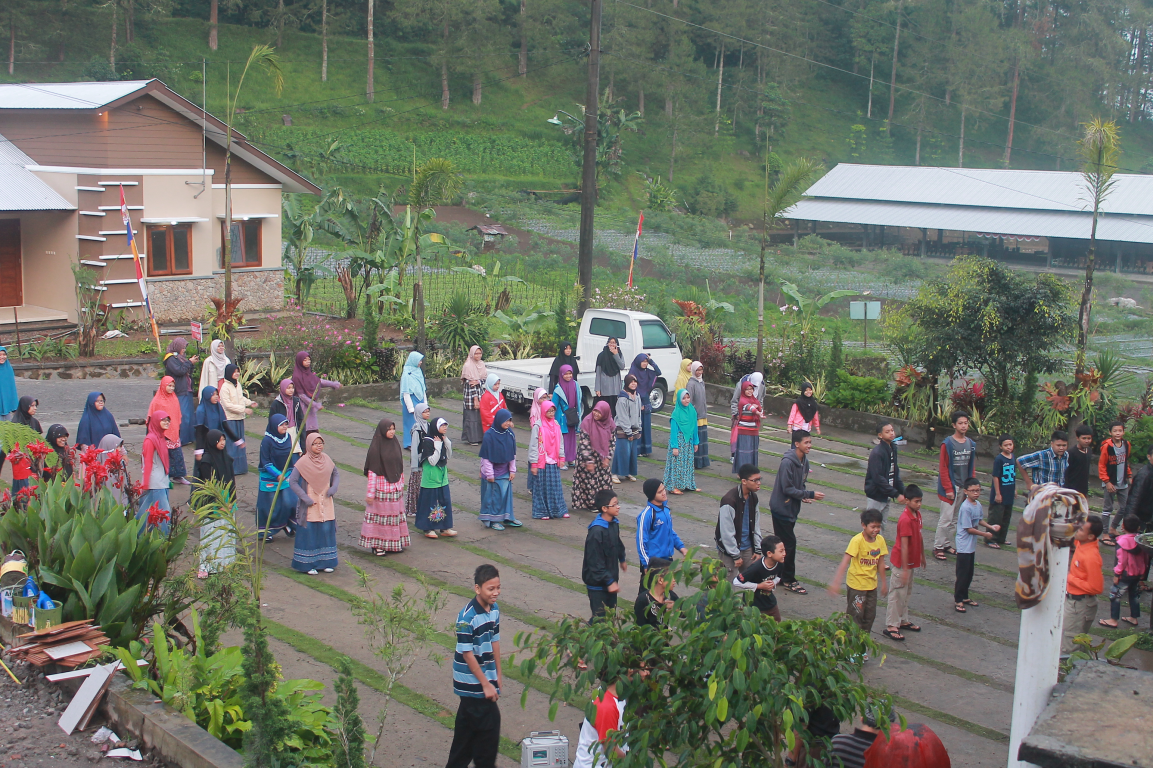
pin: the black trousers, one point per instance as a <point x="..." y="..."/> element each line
<point x="599" y="600"/>
<point x="966" y="562"/>
<point x="476" y="738"/>
<point x="784" y="531"/>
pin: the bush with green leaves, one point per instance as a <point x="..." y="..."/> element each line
<point x="461" y="326"/>
<point x="858" y="393"/>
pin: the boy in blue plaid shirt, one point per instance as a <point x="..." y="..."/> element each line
<point x="476" y="675"/>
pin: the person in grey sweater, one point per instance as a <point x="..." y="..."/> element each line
<point x="785" y="504"/>
<point x="628" y="432"/>
<point x="610" y="365"/>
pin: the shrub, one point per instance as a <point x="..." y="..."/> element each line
<point x="330" y="347"/>
<point x="461" y="326"/>
<point x="858" y="393"/>
<point x="873" y="365"/>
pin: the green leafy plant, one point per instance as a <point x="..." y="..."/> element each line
<point x="349" y="744"/>
<point x="521" y="326"/>
<point x="461" y="326"/>
<point x="858" y="393"/>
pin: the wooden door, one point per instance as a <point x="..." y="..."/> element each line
<point x="11" y="273"/>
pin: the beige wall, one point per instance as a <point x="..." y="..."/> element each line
<point x="250" y="200"/>
<point x="48" y="249"/>
<point x="175" y="196"/>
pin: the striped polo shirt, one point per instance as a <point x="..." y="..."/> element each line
<point x="476" y="631"/>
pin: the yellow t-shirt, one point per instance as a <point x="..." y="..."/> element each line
<point x="866" y="556"/>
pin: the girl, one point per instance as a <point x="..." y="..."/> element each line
<point x="156" y="456"/>
<point x="628" y="432"/>
<point x="179" y="367"/>
<point x="209" y="415"/>
<point x="497" y="470"/>
<point x="683" y="375"/>
<point x="57" y="438"/>
<point x="384" y="528"/>
<point x="564" y="357"/>
<point x="118" y="481"/>
<point x="412" y="393"/>
<point x="472" y="376"/>
<point x="96" y="422"/>
<point x="745" y="440"/>
<point x="315" y="480"/>
<point x="535" y="411"/>
<point x="594" y="456"/>
<point x="276" y="462"/>
<point x="758" y="381"/>
<point x="165" y="400"/>
<point x="646" y="372"/>
<point x="546" y="457"/>
<point x="804" y="415"/>
<point x="8" y="397"/>
<point x="434" y="505"/>
<point x="287" y="404"/>
<point x="699" y="397"/>
<point x="307" y="385"/>
<point x="683" y="440"/>
<point x="566" y="398"/>
<point x="607" y="381"/>
<point x="491" y="401"/>
<point x="416" y="434"/>
<point x="217" y="545"/>
<point x="1128" y="573"/>
<point x="22" y="462"/>
<point x="26" y="414"/>
<point x="213" y="369"/>
<point x="236" y="407"/>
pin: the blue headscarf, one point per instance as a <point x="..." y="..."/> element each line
<point x="94" y="424"/>
<point x="9" y="400"/>
<point x="275" y="448"/>
<point x="412" y="379"/>
<point x="499" y="444"/>
<point x="646" y="377"/>
<point x="209" y="414"/>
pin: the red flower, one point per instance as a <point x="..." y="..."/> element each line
<point x="156" y="515"/>
<point x="39" y="449"/>
<point x="6" y="498"/>
<point x="28" y="492"/>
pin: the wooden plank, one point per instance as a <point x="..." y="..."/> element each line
<point x="89" y="691"/>
<point x="87" y="671"/>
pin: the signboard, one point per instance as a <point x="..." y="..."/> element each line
<point x="198" y="330"/>
<point x="864" y="310"/>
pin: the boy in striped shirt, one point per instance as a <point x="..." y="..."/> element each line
<point x="476" y="675"/>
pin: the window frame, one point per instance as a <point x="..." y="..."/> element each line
<point x="657" y="324"/>
<point x="244" y="263"/>
<point x="170" y="252"/>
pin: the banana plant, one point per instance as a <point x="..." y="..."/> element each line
<point x="809" y="307"/>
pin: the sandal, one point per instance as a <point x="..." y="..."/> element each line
<point x="910" y="627"/>
<point x="796" y="587"/>
<point x="1108" y="541"/>
<point x="678" y="492"/>
<point x="565" y="516"/>
<point x="960" y="608"/>
<point x="431" y="535"/>
<point x="939" y="554"/>
<point x="1130" y="620"/>
<point x="893" y="634"/>
<point x="993" y="545"/>
<point x="1103" y="623"/>
<point x="380" y="552"/>
<point x="951" y="551"/>
<point x="973" y="603"/>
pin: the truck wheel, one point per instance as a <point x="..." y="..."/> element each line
<point x="658" y="396"/>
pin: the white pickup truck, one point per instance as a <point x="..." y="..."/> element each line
<point x="637" y="332"/>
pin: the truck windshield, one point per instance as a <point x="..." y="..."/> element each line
<point x="603" y="326"/>
<point x="655" y="335"/>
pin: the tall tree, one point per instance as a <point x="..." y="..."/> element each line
<point x="1100" y="147"/>
<point x="893" y="75"/>
<point x="213" y="23"/>
<point x="371" y="24"/>
<point x="323" y="41"/>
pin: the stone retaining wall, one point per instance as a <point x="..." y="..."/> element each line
<point x="181" y="298"/>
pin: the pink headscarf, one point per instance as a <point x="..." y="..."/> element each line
<point x="601" y="433"/>
<point x="534" y="412"/>
<point x="550" y="435"/>
<point x="156" y="439"/>
<point x="290" y="411"/>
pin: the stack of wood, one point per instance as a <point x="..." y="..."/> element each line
<point x="68" y="645"/>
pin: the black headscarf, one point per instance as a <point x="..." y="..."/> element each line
<point x="562" y="359"/>
<point x="228" y="371"/>
<point x="55" y="432"/>
<point x="806" y="406"/>
<point x="23" y="417"/>
<point x="428" y="443"/>
<point x="385" y="456"/>
<point x="216" y="463"/>
<point x="607" y="361"/>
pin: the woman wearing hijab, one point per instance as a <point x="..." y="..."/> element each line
<point x="491" y="401"/>
<point x="434" y="505"/>
<point x="628" y="433"/>
<point x="308" y="385"/>
<point x="276" y="461"/>
<point x="209" y="415"/>
<point x="384" y="528"/>
<point x="57" y="439"/>
<point x="564" y="357"/>
<point x="22" y="462"/>
<point x="566" y="398"/>
<point x="213" y="369"/>
<point x="683" y="441"/>
<point x="236" y="407"/>
<point x="288" y="405"/>
<point x="217" y="544"/>
<point x="699" y="397"/>
<point x="118" y="481"/>
<point x="546" y="456"/>
<point x="9" y="399"/>
<point x="683" y="375"/>
<point x="179" y="367"/>
<point x="96" y="422"/>
<point x="473" y="376"/>
<point x="315" y="480"/>
<point x="804" y="414"/>
<point x="497" y="470"/>
<point x="745" y="440"/>
<point x="165" y="400"/>
<point x="26" y="414"/>
<point x="607" y="381"/>
<point x="645" y="369"/>
<point x="758" y="381"/>
<point x="412" y="393"/>
<point x="594" y="456"/>
<point x="420" y="427"/>
<point x="156" y="456"/>
<point x="539" y="398"/>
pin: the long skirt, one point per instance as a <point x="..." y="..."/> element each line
<point x="269" y="520"/>
<point x="646" y="438"/>
<point x="434" y="509"/>
<point x="548" y="494"/>
<point x="147" y="499"/>
<point x="217" y="546"/>
<point x="408" y="420"/>
<point x="570" y="445"/>
<point x="384" y="526"/>
<point x="239" y="454"/>
<point x="625" y="457"/>
<point x="176" y="466"/>
<point x="470" y="426"/>
<point x="187" y="430"/>
<point x="413" y="492"/>
<point x="314" y="546"/>
<point x="679" y="469"/>
<point x="585" y="485"/>
<point x="496" y="500"/>
<point x="748" y="451"/>
<point x="701" y="457"/>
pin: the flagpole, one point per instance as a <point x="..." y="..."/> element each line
<point x="636" y="247"/>
<point x="139" y="271"/>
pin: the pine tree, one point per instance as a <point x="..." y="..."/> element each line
<point x="268" y="712"/>
<point x="348" y="747"/>
<point x="836" y="358"/>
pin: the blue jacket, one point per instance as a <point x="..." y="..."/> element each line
<point x="655" y="534"/>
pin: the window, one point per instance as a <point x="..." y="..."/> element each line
<point x="170" y="250"/>
<point x="655" y="335"/>
<point x="246" y="243"/>
<point x="602" y="326"/>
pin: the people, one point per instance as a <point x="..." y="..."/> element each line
<point x="763" y="575"/>
<point x="656" y="536"/>
<point x="745" y="440"/>
<point x="385" y="528"/>
<point x="155" y="455"/>
<point x="907" y="554"/>
<point x="115" y="461"/>
<point x="805" y="413"/>
<point x="699" y="397"/>
<point x="472" y="377"/>
<point x="419" y="429"/>
<point x="434" y="504"/>
<point x="476" y="675"/>
<point x="680" y="469"/>
<point x="165" y="400"/>
<point x="604" y="555"/>
<point x="546" y="456"/>
<point x="497" y="471"/>
<point x="213" y="369"/>
<point x="57" y="439"/>
<point x="591" y="744"/>
<point x="96" y="422"/>
<point x="862" y="568"/>
<point x="1115" y="474"/>
<point x="683" y="374"/>
<point x="569" y="409"/>
<point x="209" y="415"/>
<point x="789" y="493"/>
<point x="628" y="431"/>
<point x="1048" y="465"/>
<point x="565" y="356"/>
<point x="607" y="374"/>
<point x="594" y="456"/>
<point x="957" y="462"/>
<point x="217" y="537"/>
<point x="276" y="462"/>
<point x="289" y="406"/>
<point x="315" y="480"/>
<point x="757" y="379"/>
<point x="307" y="385"/>
<point x="412" y="393"/>
<point x="969" y="529"/>
<point x="1128" y="573"/>
<point x="9" y="399"/>
<point x="1003" y="492"/>
<point x="645" y="370"/>
<point x="179" y="367"/>
<point x="847" y="750"/>
<point x="26" y="414"/>
<point x="491" y="401"/>
<point x="738" y="531"/>
<point x="236" y="407"/>
<point x="1086" y="582"/>
<point x="656" y="595"/>
<point x="1080" y="457"/>
<point x="1140" y="502"/>
<point x="882" y="474"/>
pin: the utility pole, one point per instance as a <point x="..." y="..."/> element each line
<point x="589" y="166"/>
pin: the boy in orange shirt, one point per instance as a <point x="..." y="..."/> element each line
<point x="1085" y="582"/>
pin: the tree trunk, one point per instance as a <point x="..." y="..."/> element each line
<point x="522" y="66"/>
<point x="761" y="272"/>
<point x="1012" y="112"/>
<point x="477" y="86"/>
<point x="673" y="155"/>
<point x="872" y="62"/>
<point x="130" y="21"/>
<point x="11" y="40"/>
<point x="668" y="101"/>
<point x="213" y="23"/>
<point x="371" y="90"/>
<point x="226" y="246"/>
<point x="641" y="99"/>
<point x="918" y="160"/>
<point x="444" y="84"/>
<point x="112" y="49"/>
<point x="612" y="85"/>
<point x="961" y="148"/>
<point x="1140" y="68"/>
<point x="323" y="41"/>
<point x="893" y="76"/>
<point x="720" y="79"/>
<point x="1086" y="296"/>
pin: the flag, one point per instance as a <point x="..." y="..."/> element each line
<point x="139" y="267"/>
<point x="636" y="244"/>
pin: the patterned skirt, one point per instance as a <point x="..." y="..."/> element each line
<point x="434" y="509"/>
<point x="413" y="492"/>
<point x="496" y="500"/>
<point x="679" y="469"/>
<point x="470" y="428"/>
<point x="314" y="546"/>
<point x="384" y="526"/>
<point x="585" y="485"/>
<point x="748" y="451"/>
<point x="701" y="458"/>
<point x="548" y="493"/>
<point x="272" y="520"/>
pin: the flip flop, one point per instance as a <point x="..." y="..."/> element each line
<point x="893" y="635"/>
<point x="1130" y="620"/>
<point x="796" y="587"/>
<point x="960" y="608"/>
<point x="939" y="554"/>
<point x="910" y="627"/>
<point x="950" y="551"/>
<point x="973" y="603"/>
<point x="993" y="545"/>
<point x="1108" y="541"/>
<point x="1106" y="626"/>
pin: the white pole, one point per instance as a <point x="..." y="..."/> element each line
<point x="1038" y="655"/>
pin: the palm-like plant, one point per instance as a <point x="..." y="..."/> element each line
<point x="1099" y="149"/>
<point x="436" y="182"/>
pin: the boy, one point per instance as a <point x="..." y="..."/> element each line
<point x="908" y="555"/>
<point x="864" y="560"/>
<point x="604" y="552"/>
<point x="476" y="675"/>
<point x="1113" y="469"/>
<point x="958" y="462"/>
<point x="785" y="504"/>
<point x="762" y="576"/>
<point x="1004" y="490"/>
<point x="1050" y="464"/>
<point x="656" y="536"/>
<point x="656" y="591"/>
<point x="882" y="476"/>
<point x="1086" y="582"/>
<point x="738" y="531"/>
<point x="969" y="525"/>
<point x="1077" y="473"/>
<point x="610" y="717"/>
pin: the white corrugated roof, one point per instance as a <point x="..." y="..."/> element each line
<point x="22" y="190"/>
<point x="66" y="95"/>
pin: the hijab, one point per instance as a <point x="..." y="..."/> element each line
<point x="562" y="359"/>
<point x="412" y="378"/>
<point x="418" y="420"/>
<point x="55" y="432"/>
<point x="697" y="370"/>
<point x="316" y="470"/>
<point x="499" y="444"/>
<point x="685" y="416"/>
<point x="278" y="446"/>
<point x="683" y="375"/>
<point x="473" y="369"/>
<point x="229" y="370"/>
<point x="94" y="424"/>
<point x="110" y="443"/>
<point x="385" y="456"/>
<point x="646" y="377"/>
<point x="607" y="361"/>
<point x="164" y="401"/>
<point x="304" y="379"/>
<point x="601" y="433"/>
<point x="217" y="458"/>
<point x="177" y="347"/>
<point x="156" y="437"/>
<point x="490" y="382"/>
<point x="9" y="401"/>
<point x="289" y="405"/>
<point x="550" y="434"/>
<point x="209" y="414"/>
<point x="758" y="381"/>
<point x="23" y="417"/>
<point x="806" y="405"/>
<point x="629" y="378"/>
<point x="534" y="413"/>
<point x="216" y="354"/>
<point x="428" y="444"/>
<point x="568" y="387"/>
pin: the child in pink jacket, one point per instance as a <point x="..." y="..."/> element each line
<point x="1128" y="573"/>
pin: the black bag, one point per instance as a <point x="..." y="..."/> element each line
<point x="571" y="417"/>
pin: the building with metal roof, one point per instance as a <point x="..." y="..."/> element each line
<point x="22" y="190"/>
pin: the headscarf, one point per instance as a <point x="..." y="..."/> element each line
<point x="629" y="378"/>
<point x="216" y="354"/>
<point x="9" y="400"/>
<point x="607" y="361"/>
<point x="155" y="437"/>
<point x="412" y="379"/>
<point x="55" y="432"/>
<point x="94" y="424"/>
<point x="499" y="444"/>
<point x="428" y="444"/>
<point x="473" y="369"/>
<point x="177" y="346"/>
<point x="385" y="456"/>
<point x="758" y="380"/>
<point x="563" y="359"/>
<point x="490" y="382"/>
<point x="568" y="387"/>
<point x="683" y="375"/>
<point x="217" y="458"/>
<point x="304" y="379"/>
<point x="316" y="470"/>
<point x="418" y="421"/>
<point x="685" y="417"/>
<point x="601" y="433"/>
<point x="534" y="412"/>
<point x="278" y="447"/>
<point x="230" y="369"/>
<point x="697" y="365"/>
<point x="650" y="487"/>
<point x="550" y="434"/>
<point x="110" y="443"/>
<point x="209" y="414"/>
<point x="806" y="406"/>
<point x="646" y="377"/>
<point x="23" y="417"/>
<point x="289" y="409"/>
<point x="163" y="401"/>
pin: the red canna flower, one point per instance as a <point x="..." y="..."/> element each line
<point x="27" y="493"/>
<point x="156" y="515"/>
